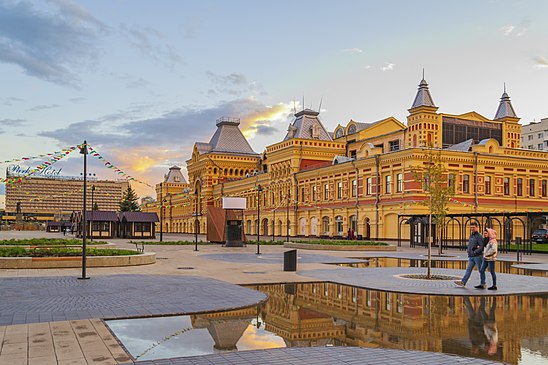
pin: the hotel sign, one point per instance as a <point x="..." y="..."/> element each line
<point x="17" y="170"/>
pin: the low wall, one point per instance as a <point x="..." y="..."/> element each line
<point x="71" y="262"/>
<point x="312" y="246"/>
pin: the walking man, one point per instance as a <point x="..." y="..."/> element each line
<point x="475" y="253"/>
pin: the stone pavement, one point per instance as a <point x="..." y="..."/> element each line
<point x="278" y="258"/>
<point x="31" y="300"/>
<point x="322" y="356"/>
<point x="389" y="279"/>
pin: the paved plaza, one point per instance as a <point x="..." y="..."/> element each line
<point x="48" y="316"/>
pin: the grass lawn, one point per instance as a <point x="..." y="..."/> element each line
<point x="343" y="243"/>
<point x="47" y="242"/>
<point x="18" y="251"/>
<point x="537" y="247"/>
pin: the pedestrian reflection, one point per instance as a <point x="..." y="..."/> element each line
<point x="482" y="326"/>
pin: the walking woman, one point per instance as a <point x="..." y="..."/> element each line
<point x="489" y="259"/>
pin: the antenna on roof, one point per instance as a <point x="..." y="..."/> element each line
<point x="505" y="87"/>
<point x="423" y="73"/>
<point x="303" y="101"/>
<point x="294" y="107"/>
<point x="320" y="107"/>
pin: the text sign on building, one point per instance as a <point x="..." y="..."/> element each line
<point x="234" y="203"/>
<point x="17" y="170"/>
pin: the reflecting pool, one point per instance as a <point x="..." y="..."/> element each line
<point x="510" y="329"/>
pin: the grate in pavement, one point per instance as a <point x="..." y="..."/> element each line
<point x="185" y="268"/>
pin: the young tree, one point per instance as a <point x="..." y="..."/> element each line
<point x="129" y="201"/>
<point x="433" y="178"/>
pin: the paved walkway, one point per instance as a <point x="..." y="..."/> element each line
<point x="389" y="279"/>
<point x="31" y="300"/>
<point x="278" y="258"/>
<point x="322" y="356"/>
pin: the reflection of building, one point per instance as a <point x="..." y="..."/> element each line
<point x="368" y="318"/>
<point x="318" y="183"/>
<point x="226" y="328"/>
<point x="44" y="198"/>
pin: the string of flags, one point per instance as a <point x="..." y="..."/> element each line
<point x="43" y="165"/>
<point x="29" y="158"/>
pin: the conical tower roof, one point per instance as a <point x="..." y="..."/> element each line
<point x="228" y="138"/>
<point x="505" y="109"/>
<point x="423" y="97"/>
<point x="307" y="125"/>
<point x="174" y="175"/>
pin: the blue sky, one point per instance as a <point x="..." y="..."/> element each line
<point x="142" y="80"/>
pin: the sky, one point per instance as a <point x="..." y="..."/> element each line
<point x="141" y="81"/>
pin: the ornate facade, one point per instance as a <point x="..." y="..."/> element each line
<point x="316" y="183"/>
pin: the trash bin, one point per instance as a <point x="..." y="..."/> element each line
<point x="360" y="237"/>
<point x="290" y="260"/>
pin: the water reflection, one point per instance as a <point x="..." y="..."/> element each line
<point x="512" y="329"/>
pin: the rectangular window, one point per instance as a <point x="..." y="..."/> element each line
<point x="543" y="192"/>
<point x="531" y="187"/>
<point x="452" y="181"/>
<point x="313" y="192"/>
<point x="302" y="195"/>
<point x="394" y="145"/>
<point x="388" y="180"/>
<point x="339" y="190"/>
<point x="487" y="184"/>
<point x="400" y="183"/>
<point x="530" y="137"/>
<point x="506" y="186"/>
<point x="530" y="147"/>
<point x="519" y="187"/>
<point x="540" y="135"/>
<point x="326" y="192"/>
<point x="540" y="145"/>
<point x="353" y="154"/>
<point x="354" y="188"/>
<point x="388" y="301"/>
<point x="369" y="186"/>
<point x="466" y="183"/>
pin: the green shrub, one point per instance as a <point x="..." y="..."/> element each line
<point x="343" y="243"/>
<point x="47" y="242"/>
<point x="18" y="251"/>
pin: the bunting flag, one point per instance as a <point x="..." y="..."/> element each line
<point x="43" y="165"/>
<point x="64" y="150"/>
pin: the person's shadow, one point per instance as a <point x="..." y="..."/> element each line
<point x="482" y="327"/>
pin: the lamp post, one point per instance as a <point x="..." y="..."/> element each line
<point x="161" y="213"/>
<point x="92" y="211"/>
<point x="259" y="189"/>
<point x="287" y="217"/>
<point x="84" y="151"/>
<point x="273" y="223"/>
<point x="196" y="223"/>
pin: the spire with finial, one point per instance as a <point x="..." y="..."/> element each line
<point x="505" y="109"/>
<point x="423" y="97"/>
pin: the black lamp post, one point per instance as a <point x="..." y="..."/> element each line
<point x="287" y="218"/>
<point x="92" y="211"/>
<point x="196" y="223"/>
<point x="259" y="189"/>
<point x="84" y="151"/>
<point x="161" y="213"/>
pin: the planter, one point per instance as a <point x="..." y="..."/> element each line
<point x="73" y="262"/>
<point x="312" y="246"/>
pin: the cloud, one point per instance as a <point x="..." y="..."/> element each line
<point x="366" y="67"/>
<point x="11" y="123"/>
<point x="9" y="101"/>
<point x="149" y="42"/>
<point x="137" y="83"/>
<point x="517" y="30"/>
<point x="388" y="67"/>
<point x="43" y="107"/>
<point x="353" y="50"/>
<point x="77" y="99"/>
<point x="234" y="84"/>
<point x="541" y="62"/>
<point x="50" y="45"/>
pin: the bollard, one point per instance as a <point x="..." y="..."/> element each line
<point x="290" y="260"/>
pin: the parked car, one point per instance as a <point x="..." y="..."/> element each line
<point x="540" y="236"/>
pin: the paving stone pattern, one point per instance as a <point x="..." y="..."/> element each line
<point x="322" y="356"/>
<point x="48" y="299"/>
<point x="387" y="279"/>
<point x="534" y="267"/>
<point x="278" y="258"/>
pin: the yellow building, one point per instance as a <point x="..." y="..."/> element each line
<point x="316" y="184"/>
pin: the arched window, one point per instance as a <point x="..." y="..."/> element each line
<point x="352" y="129"/>
<point x="339" y="133"/>
<point x="325" y="226"/>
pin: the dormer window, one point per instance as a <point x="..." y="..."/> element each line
<point x="352" y="129"/>
<point x="339" y="133"/>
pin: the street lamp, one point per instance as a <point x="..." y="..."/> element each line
<point x="287" y="217"/>
<point x="196" y="223"/>
<point x="259" y="189"/>
<point x="92" y="210"/>
<point x="84" y="151"/>
<point x="161" y="213"/>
